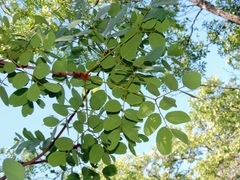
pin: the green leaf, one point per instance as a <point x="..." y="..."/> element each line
<point x="50" y="121"/>
<point x="155" y="54"/>
<point x="134" y="99"/>
<point x="35" y="41"/>
<point x="166" y="65"/>
<point x="15" y="17"/>
<point x="153" y="89"/>
<point x="41" y="70"/>
<point x="96" y="153"/>
<point x="152" y="123"/>
<point x="13" y="170"/>
<point x="20" y="80"/>
<point x="5" y="21"/>
<point x="173" y="50"/>
<point x="4" y="96"/>
<point x="19" y="97"/>
<point x="27" y="109"/>
<point x="64" y="144"/>
<point x="120" y="149"/>
<point x="76" y="95"/>
<point x="81" y="116"/>
<point x="113" y="106"/>
<point x="114" y="137"/>
<point x="78" y="126"/>
<point x="131" y="114"/>
<point x="74" y="103"/>
<point x="177" y="117"/>
<point x="57" y="159"/>
<point x="49" y="40"/>
<point x="129" y="49"/>
<point x="162" y="26"/>
<point x="98" y="99"/>
<point x="73" y="176"/>
<point x="93" y="121"/>
<point x="52" y="87"/>
<point x="106" y="159"/>
<point x="40" y="20"/>
<point x="155" y="13"/>
<point x="60" y="109"/>
<point x="108" y="62"/>
<point x="114" y="9"/>
<point x="74" y="23"/>
<point x="39" y="135"/>
<point x="164" y="141"/>
<point x="171" y="82"/>
<point x="167" y="102"/>
<point x="130" y="132"/>
<point x="145" y="109"/>
<point x="33" y="92"/>
<point x="112" y="122"/>
<point x="40" y="103"/>
<point x="25" y="57"/>
<point x="9" y="67"/>
<point x="65" y="38"/>
<point x="163" y="2"/>
<point x="149" y="24"/>
<point x="109" y="170"/>
<point x="60" y="66"/>
<point x="155" y="40"/>
<point x="192" y="80"/>
<point x="180" y="135"/>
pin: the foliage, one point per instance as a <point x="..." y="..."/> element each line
<point x="214" y="136"/>
<point x="98" y="63"/>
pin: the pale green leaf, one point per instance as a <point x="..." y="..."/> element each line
<point x="112" y="122"/>
<point x="50" y="121"/>
<point x="57" y="159"/>
<point x="177" y="117"/>
<point x="174" y="50"/>
<point x="145" y="109"/>
<point x="60" y="109"/>
<point x="155" y="40"/>
<point x="112" y="106"/>
<point x="171" y="82"/>
<point x="152" y="123"/>
<point x="192" y="80"/>
<point x="167" y="102"/>
<point x="164" y="141"/>
<point x="180" y="135"/>
<point x="41" y="70"/>
<point x="13" y="170"/>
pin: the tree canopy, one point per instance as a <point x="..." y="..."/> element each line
<point x="111" y="68"/>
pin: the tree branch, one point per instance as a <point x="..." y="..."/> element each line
<point x="213" y="9"/>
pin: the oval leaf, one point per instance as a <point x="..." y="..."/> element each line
<point x="41" y="70"/>
<point x="171" y="82"/>
<point x="57" y="159"/>
<point x="164" y="141"/>
<point x="50" y="121"/>
<point x="180" y="135"/>
<point x="192" y="80"/>
<point x="64" y="144"/>
<point x="33" y="92"/>
<point x="177" y="117"/>
<point x="13" y="169"/>
<point x="145" y="109"/>
<point x="152" y="123"/>
<point x="96" y="153"/>
<point x="112" y="106"/>
<point x="109" y="170"/>
<point x="111" y="123"/>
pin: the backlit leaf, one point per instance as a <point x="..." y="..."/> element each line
<point x="134" y="99"/>
<point x="57" y="159"/>
<point x="98" y="99"/>
<point x="130" y="132"/>
<point x="13" y="170"/>
<point x="155" y="40"/>
<point x="145" y="109"/>
<point x="180" y="135"/>
<point x="167" y="102"/>
<point x="171" y="82"/>
<point x="114" y="138"/>
<point x="164" y="141"/>
<point x="152" y="123"/>
<point x="174" y="50"/>
<point x="192" y="80"/>
<point x="177" y="117"/>
<point x="40" y="20"/>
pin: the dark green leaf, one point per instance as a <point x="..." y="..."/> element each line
<point x="4" y="96"/>
<point x="130" y="132"/>
<point x="109" y="170"/>
<point x="174" y="50"/>
<point x="19" y="97"/>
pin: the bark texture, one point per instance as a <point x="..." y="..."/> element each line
<point x="213" y="9"/>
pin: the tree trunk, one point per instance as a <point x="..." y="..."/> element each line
<point x="211" y="8"/>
